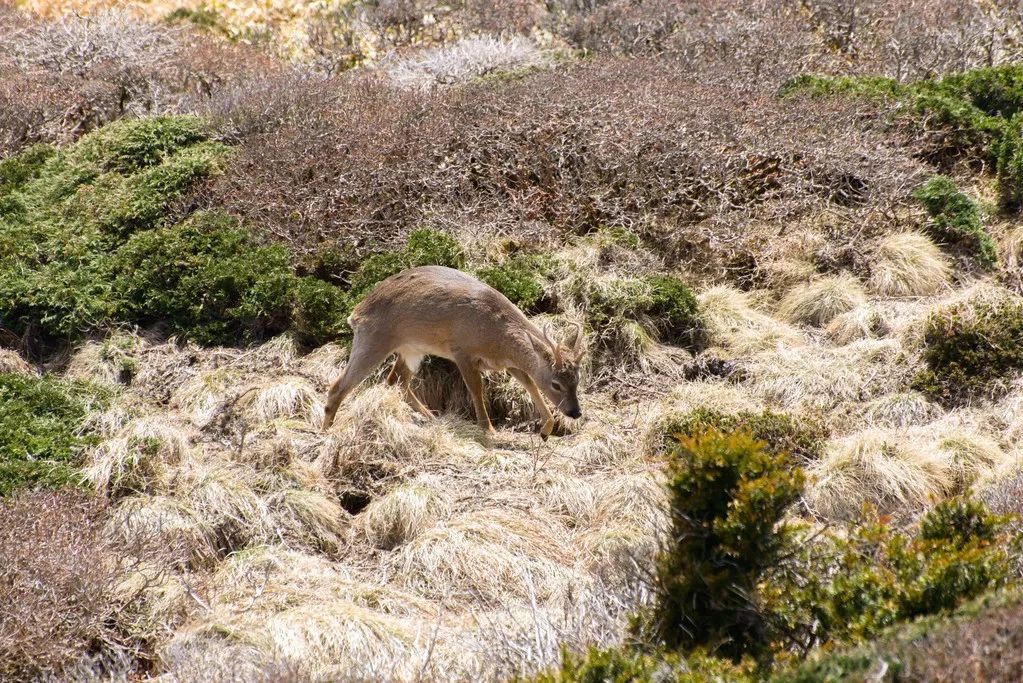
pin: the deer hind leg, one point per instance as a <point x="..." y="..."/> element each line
<point x="474" y="382"/>
<point x="525" y="380"/>
<point x="365" y="356"/>
<point x="403" y="370"/>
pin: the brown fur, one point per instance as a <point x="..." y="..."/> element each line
<point x="444" y="312"/>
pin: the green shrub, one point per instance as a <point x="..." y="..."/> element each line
<point x="425" y="247"/>
<point x="956" y="219"/>
<point x="803" y="438"/>
<point x="207" y="278"/>
<point x="661" y="303"/>
<point x="17" y="170"/>
<point x="971" y="350"/>
<point x="673" y="306"/>
<point x="1008" y="153"/>
<point x="881" y="577"/>
<point x="91" y="240"/>
<point x="727" y="495"/>
<point x="628" y="665"/>
<point x="320" y="311"/>
<point x="41" y="430"/>
<point x="518" y="278"/>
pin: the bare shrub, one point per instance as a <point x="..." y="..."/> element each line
<point x="629" y="143"/>
<point x="461" y="61"/>
<point x="57" y="583"/>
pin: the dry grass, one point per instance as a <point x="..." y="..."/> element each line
<point x="908" y="264"/>
<point x="403" y="514"/>
<point x="736" y="325"/>
<point x="12" y="362"/>
<point x="879" y="467"/>
<point x="817" y="303"/>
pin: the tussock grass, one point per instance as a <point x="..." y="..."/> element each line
<point x="402" y="514"/>
<point x="879" y="467"/>
<point x="488" y="555"/>
<point x="139" y="459"/>
<point x="292" y="398"/>
<point x="734" y="323"/>
<point x="222" y="497"/>
<point x="901" y="409"/>
<point x="11" y="362"/>
<point x="859" y="323"/>
<point x="908" y="264"/>
<point x="824" y="378"/>
<point x="169" y="525"/>
<point x="817" y="303"/>
<point x="311" y="519"/>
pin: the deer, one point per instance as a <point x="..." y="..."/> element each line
<point x="439" y="311"/>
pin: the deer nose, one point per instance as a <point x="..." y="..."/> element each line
<point x="575" y="413"/>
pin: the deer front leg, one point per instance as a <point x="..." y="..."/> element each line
<point x="541" y="405"/>
<point x="474" y="382"/>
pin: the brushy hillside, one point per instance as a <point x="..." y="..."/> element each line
<point x="791" y="231"/>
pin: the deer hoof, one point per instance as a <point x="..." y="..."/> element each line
<point x="547" y="428"/>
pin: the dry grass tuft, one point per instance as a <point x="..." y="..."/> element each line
<point x="311" y="519"/>
<point x="879" y="467"/>
<point x="179" y="537"/>
<point x="734" y="324"/>
<point x="859" y="323"/>
<point x="1011" y="257"/>
<point x="901" y="409"/>
<point x="139" y="458"/>
<point x="12" y="363"/>
<point x="908" y="264"/>
<point x="817" y="303"/>
<point x="402" y="514"/>
<point x="824" y="378"/>
<point x="488" y="556"/>
<point x="291" y="398"/>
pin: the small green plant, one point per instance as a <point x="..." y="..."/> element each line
<point x="662" y="303"/>
<point x="971" y="350"/>
<point x="727" y="496"/>
<point x="956" y="219"/>
<point x="804" y="438"/>
<point x="41" y="430"/>
<point x="518" y="278"/>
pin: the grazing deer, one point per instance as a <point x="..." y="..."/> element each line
<point x="436" y="311"/>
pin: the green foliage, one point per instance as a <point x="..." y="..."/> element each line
<point x="89" y="239"/>
<point x="626" y="665"/>
<point x="881" y="577"/>
<point x="425" y="247"/>
<point x="40" y="430"/>
<point x="663" y="302"/>
<point x="781" y="433"/>
<point x="518" y="278"/>
<point x="956" y="219"/>
<point x="974" y="111"/>
<point x="971" y="350"/>
<point x="727" y="495"/>
<point x="320" y="311"/>
<point x="202" y="17"/>
<point x="206" y="277"/>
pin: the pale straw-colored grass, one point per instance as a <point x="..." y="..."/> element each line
<point x="488" y="556"/>
<point x="859" y="323"/>
<point x="817" y="302"/>
<point x="908" y="264"/>
<point x="12" y="363"/>
<point x="734" y="324"/>
<point x="403" y="514"/>
<point x="139" y="458"/>
<point x="886" y="469"/>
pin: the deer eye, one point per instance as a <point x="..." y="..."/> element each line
<point x="557" y="386"/>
